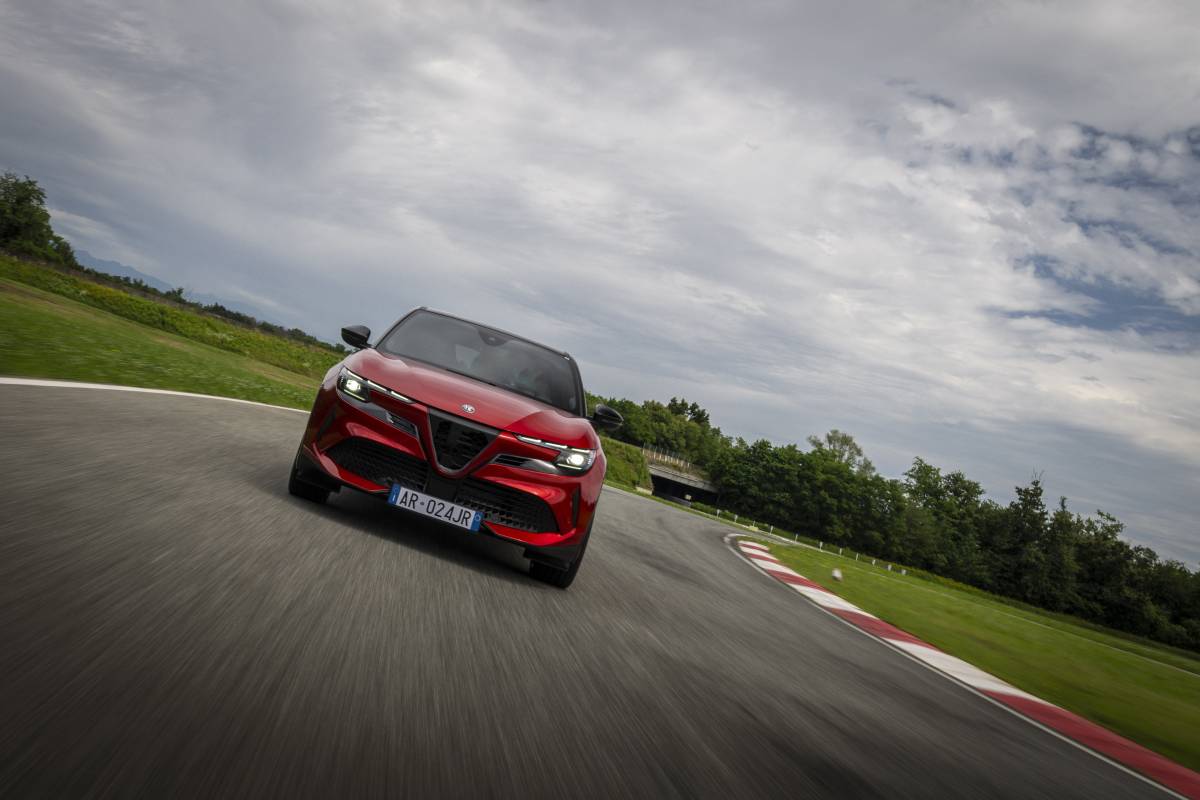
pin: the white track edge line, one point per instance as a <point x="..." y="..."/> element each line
<point x="113" y="387"/>
<point x="1030" y="720"/>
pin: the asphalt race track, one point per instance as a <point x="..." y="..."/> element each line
<point x="172" y="622"/>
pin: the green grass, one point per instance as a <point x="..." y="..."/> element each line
<point x="44" y="335"/>
<point x="626" y="465"/>
<point x="288" y="355"/>
<point x="1146" y="693"/>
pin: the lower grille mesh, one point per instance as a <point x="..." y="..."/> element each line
<point x="385" y="465"/>
<point x="379" y="463"/>
<point x="506" y="506"/>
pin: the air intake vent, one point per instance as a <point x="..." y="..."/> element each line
<point x="378" y="463"/>
<point x="507" y="506"/>
<point x="455" y="441"/>
<point x="402" y="424"/>
<point x="509" y="460"/>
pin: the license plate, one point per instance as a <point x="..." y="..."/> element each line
<point x="459" y="516"/>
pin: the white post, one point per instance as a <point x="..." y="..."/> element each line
<point x="820" y="545"/>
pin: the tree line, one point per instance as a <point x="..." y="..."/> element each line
<point x="1044" y="555"/>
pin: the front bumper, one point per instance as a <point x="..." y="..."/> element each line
<point x="369" y="446"/>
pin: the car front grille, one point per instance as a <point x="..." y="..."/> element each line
<point x="379" y="463"/>
<point x="506" y="506"/>
<point x="455" y="442"/>
<point x="386" y="465"/>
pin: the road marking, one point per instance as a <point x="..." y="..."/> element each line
<point x="967" y="673"/>
<point x="6" y="381"/>
<point x="762" y="558"/>
<point x="1124" y="754"/>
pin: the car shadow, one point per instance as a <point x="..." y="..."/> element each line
<point x="370" y="514"/>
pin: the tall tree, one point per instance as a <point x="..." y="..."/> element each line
<point x="840" y="446"/>
<point x="25" y="223"/>
<point x="1057" y="545"/>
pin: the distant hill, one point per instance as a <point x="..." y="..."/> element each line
<point x="120" y="270"/>
<point x="125" y="271"/>
<point x="232" y="305"/>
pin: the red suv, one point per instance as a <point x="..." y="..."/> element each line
<point x="477" y="428"/>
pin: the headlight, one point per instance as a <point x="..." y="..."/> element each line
<point x="574" y="460"/>
<point x="354" y="385"/>
<point x="360" y="388"/>
<point x="570" y="459"/>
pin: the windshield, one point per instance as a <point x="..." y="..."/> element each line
<point x="487" y="355"/>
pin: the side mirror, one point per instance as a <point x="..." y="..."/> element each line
<point x="607" y="418"/>
<point x="357" y="336"/>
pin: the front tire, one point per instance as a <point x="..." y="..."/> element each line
<point x="298" y="487"/>
<point x="562" y="578"/>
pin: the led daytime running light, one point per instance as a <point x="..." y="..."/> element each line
<point x="360" y="388"/>
<point x="542" y="443"/>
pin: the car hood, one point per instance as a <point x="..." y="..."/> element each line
<point x="494" y="407"/>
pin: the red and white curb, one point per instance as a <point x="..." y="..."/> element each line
<point x="1118" y="750"/>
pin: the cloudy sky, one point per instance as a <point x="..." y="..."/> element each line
<point x="961" y="230"/>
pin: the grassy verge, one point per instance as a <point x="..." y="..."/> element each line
<point x="275" y="350"/>
<point x="44" y="335"/>
<point x="626" y="465"/>
<point x="1148" y="694"/>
